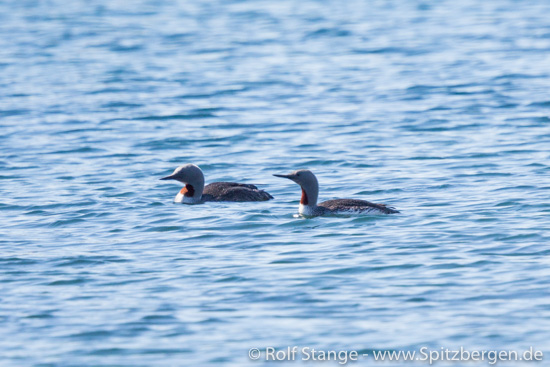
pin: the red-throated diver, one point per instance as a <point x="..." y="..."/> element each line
<point x="195" y="192"/>
<point x="310" y="191"/>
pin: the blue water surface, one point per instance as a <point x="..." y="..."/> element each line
<point x="441" y="109"/>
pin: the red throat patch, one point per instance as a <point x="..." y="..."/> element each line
<point x="304" y="201"/>
<point x="188" y="191"/>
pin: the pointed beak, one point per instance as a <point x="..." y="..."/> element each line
<point x="290" y="177"/>
<point x="284" y="176"/>
<point x="171" y="177"/>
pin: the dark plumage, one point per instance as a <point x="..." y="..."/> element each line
<point x="356" y="205"/>
<point x="232" y="191"/>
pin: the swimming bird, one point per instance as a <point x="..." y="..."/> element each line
<point x="195" y="192"/>
<point x="310" y="191"/>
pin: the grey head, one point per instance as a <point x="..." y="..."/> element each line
<point x="193" y="178"/>
<point x="308" y="182"/>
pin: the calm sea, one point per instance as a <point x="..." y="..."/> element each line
<point x="441" y="109"/>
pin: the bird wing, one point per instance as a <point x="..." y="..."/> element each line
<point x="355" y="204"/>
<point x="232" y="191"/>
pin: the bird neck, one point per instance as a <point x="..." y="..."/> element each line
<point x="190" y="194"/>
<point x="309" y="196"/>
